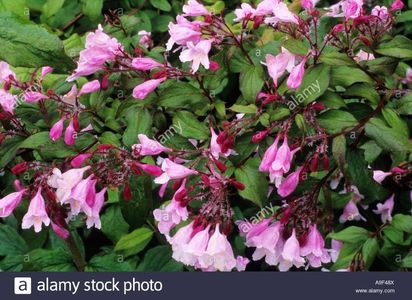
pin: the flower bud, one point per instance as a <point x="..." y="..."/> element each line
<point x="20" y="168"/>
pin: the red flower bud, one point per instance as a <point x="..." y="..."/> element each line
<point x="214" y="65"/>
<point x="325" y="162"/>
<point x="258" y="137"/>
<point x="76" y="124"/>
<point x="238" y="185"/>
<point x="127" y="193"/>
<point x="105" y="81"/>
<point x="314" y="163"/>
<point x="104" y="147"/>
<point x="20" y="168"/>
<point x="221" y="166"/>
<point x="160" y="74"/>
<point x="205" y="180"/>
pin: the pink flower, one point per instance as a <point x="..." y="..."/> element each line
<point x="79" y="195"/>
<point x="34" y="97"/>
<point x="266" y="7"/>
<point x="350" y="9"/>
<point x="69" y="135"/>
<point x="145" y="63"/>
<point x="281" y="13"/>
<point x="385" y="209"/>
<point x="145" y="88"/>
<point x="71" y="96"/>
<point x="60" y="231"/>
<point x="7" y="101"/>
<point x="245" y="12"/>
<point x="90" y="87"/>
<point x="179" y="241"/>
<point x="268" y="242"/>
<point x="350" y="213"/>
<point x="296" y="76"/>
<point x="57" y="130"/>
<point x="172" y="214"/>
<point x="277" y="65"/>
<point x="99" y="48"/>
<point x="79" y="160"/>
<point x="198" y="54"/>
<point x="148" y="146"/>
<point x="10" y="202"/>
<point x="194" y="9"/>
<point x="290" y="183"/>
<point x="45" y="71"/>
<point x="5" y="72"/>
<point x="215" y="148"/>
<point x="183" y="32"/>
<point x="36" y="214"/>
<point x="335" y="250"/>
<point x="314" y="249"/>
<point x="195" y="248"/>
<point x="380" y="176"/>
<point x="291" y="254"/>
<point x="219" y="254"/>
<point x="150" y="169"/>
<point x="397" y="5"/>
<point x="241" y="263"/>
<point x="362" y="56"/>
<point x="381" y="12"/>
<point x="145" y="38"/>
<point x="173" y="171"/>
<point x="309" y="4"/>
<point x="64" y="183"/>
<point x="93" y="212"/>
<point x="269" y="156"/>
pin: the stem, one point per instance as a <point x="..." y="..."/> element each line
<point x="76" y="255"/>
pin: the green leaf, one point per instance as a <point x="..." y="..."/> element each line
<point x="407" y="261"/>
<point x="346" y="76"/>
<point x="159" y="259"/>
<point x="11" y="242"/>
<point x="246" y="109"/>
<point x="351" y="235"/>
<point x="363" y="90"/>
<point x="339" y="151"/>
<point x="387" y="138"/>
<point x="402" y="222"/>
<point x="134" y="242"/>
<point x="8" y="149"/>
<point x="92" y="8"/>
<point x="160" y="23"/>
<point x="57" y="260"/>
<point x="336" y="121"/>
<point x="182" y="95"/>
<point x="17" y="7"/>
<point x="25" y="44"/>
<point x="161" y="4"/>
<point x="394" y="121"/>
<point x="297" y="47"/>
<point x="51" y="7"/>
<point x="113" y="224"/>
<point x="335" y="58"/>
<point x="314" y="84"/>
<point x="369" y="251"/>
<point x="139" y="120"/>
<point x="399" y="47"/>
<point x="255" y="182"/>
<point x="251" y="82"/>
<point x="404" y="105"/>
<point x="187" y="125"/>
<point x="108" y="263"/>
<point x="372" y="151"/>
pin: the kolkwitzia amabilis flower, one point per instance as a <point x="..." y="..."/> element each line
<point x="309" y="4"/>
<point x="281" y="14"/>
<point x="381" y="12"/>
<point x="145" y="63"/>
<point x="290" y="183"/>
<point x="90" y="87"/>
<point x="36" y="214"/>
<point x="219" y="254"/>
<point x="99" y="48"/>
<point x="145" y="38"/>
<point x="148" y="146"/>
<point x="183" y="32"/>
<point x="362" y="56"/>
<point x="57" y="130"/>
<point x="296" y="75"/>
<point x="291" y="254"/>
<point x="93" y="212"/>
<point x="194" y="9"/>
<point x="173" y="213"/>
<point x="397" y="5"/>
<point x="385" y="209"/>
<point x="245" y="12"/>
<point x="65" y="182"/>
<point x="350" y="213"/>
<point x="349" y="9"/>
<point x="380" y="176"/>
<point x="10" y="202"/>
<point x="335" y="250"/>
<point x="215" y="147"/>
<point x="198" y="54"/>
<point x="33" y="97"/>
<point x="142" y="90"/>
<point x="5" y="72"/>
<point x="241" y="263"/>
<point x="173" y="170"/>
<point x="7" y="101"/>
<point x="277" y="65"/>
<point x="79" y="194"/>
<point x="69" y="134"/>
<point x="314" y="248"/>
